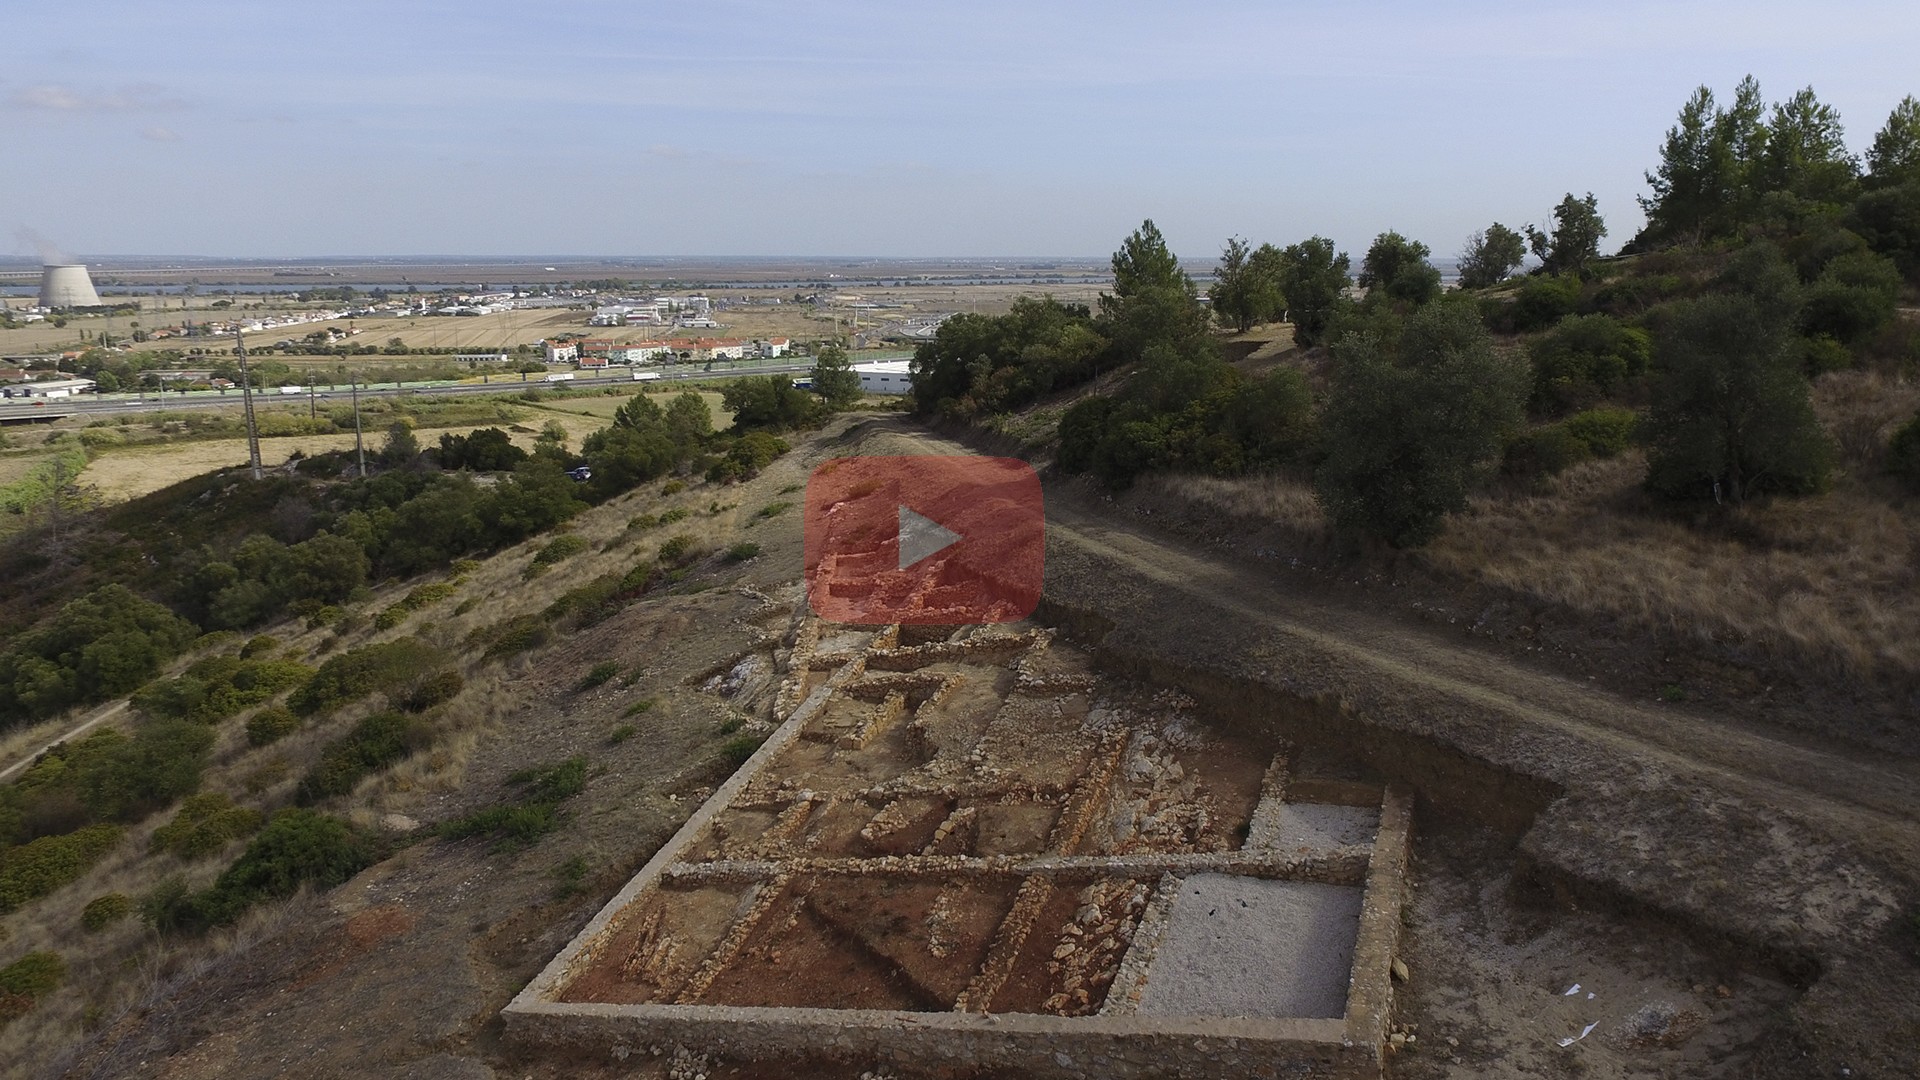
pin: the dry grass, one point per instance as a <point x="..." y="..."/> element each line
<point x="1828" y="580"/>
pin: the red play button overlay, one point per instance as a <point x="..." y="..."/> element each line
<point x="924" y="539"/>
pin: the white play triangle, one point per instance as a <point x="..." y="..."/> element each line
<point x="921" y="536"/>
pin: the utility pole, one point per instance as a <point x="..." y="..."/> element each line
<point x="359" y="450"/>
<point x="246" y="398"/>
<point x="313" y="403"/>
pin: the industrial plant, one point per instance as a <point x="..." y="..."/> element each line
<point x="67" y="285"/>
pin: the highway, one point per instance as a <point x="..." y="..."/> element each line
<point x="90" y="404"/>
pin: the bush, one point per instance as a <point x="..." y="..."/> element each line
<point x="1823" y="354"/>
<point x="638" y="707"/>
<point x="1606" y="431"/>
<point x="271" y="725"/>
<point x="298" y="847"/>
<point x="33" y="870"/>
<point x="672" y="487"/>
<point x="1544" y="451"/>
<point x="773" y="509"/>
<point x="558" y="548"/>
<point x="1585" y="358"/>
<point x="675" y="550"/>
<point x="737" y="750"/>
<point x="598" y="674"/>
<point x="533" y="815"/>
<point x="742" y="551"/>
<point x="205" y="824"/>
<point x="259" y="645"/>
<point x="103" y="911"/>
<point x="510" y="636"/>
<point x="34" y="975"/>
<point x="358" y="672"/>
<point x="117" y="778"/>
<point x="218" y="687"/>
<point x="621" y="733"/>
<point x="1903" y="454"/>
<point x="105" y="643"/>
<point x="431" y="690"/>
<point x="374" y="743"/>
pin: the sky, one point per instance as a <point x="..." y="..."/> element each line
<point x="251" y="129"/>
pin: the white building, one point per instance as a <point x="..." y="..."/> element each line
<point x="562" y="352"/>
<point x="772" y="347"/>
<point x="885" y="376"/>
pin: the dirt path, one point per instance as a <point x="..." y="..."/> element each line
<point x="99" y="716"/>
<point x="1844" y="792"/>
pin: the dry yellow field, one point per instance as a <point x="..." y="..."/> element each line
<point x="118" y="475"/>
<point x="603" y="408"/>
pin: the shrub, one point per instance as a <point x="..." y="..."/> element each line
<point x="362" y="671"/>
<point x="737" y="750"/>
<point x="622" y="733"/>
<point x="1585" y="358"/>
<point x="675" y="549"/>
<point x="773" y="509"/>
<point x="673" y="515"/>
<point x="598" y="674"/>
<point x="34" y="975"/>
<point x="742" y="551"/>
<point x="33" y="870"/>
<point x="103" y="911"/>
<point x="1606" y="431"/>
<point x="218" y="687"/>
<point x="672" y="487"/>
<point x="533" y="815"/>
<point x="435" y="689"/>
<point x="204" y="825"/>
<point x="558" y="548"/>
<point x="117" y="778"/>
<point x="1903" y="454"/>
<point x="374" y="743"/>
<point x="271" y="725"/>
<point x="105" y="643"/>
<point x="569" y="877"/>
<point x="259" y="645"/>
<point x="510" y="636"/>
<point x="638" y="707"/>
<point x="298" y="847"/>
<point x="1823" y="354"/>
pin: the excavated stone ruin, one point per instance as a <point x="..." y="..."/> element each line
<point x="963" y="849"/>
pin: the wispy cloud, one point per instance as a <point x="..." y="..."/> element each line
<point x="158" y="133"/>
<point x="670" y="152"/>
<point x="48" y="97"/>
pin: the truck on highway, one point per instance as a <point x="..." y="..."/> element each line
<point x="645" y="376"/>
<point x="560" y="376"/>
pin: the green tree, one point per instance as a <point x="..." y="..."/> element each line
<point x="1144" y="262"/>
<point x="1398" y="267"/>
<point x="1409" y="431"/>
<point x="688" y="420"/>
<point x="1731" y="414"/>
<point x="1690" y="186"/>
<point x="1854" y="296"/>
<point x="1806" y="152"/>
<point x="1490" y="256"/>
<point x="1577" y="231"/>
<point x="834" y="378"/>
<point x="1313" y="278"/>
<point x="1888" y="218"/>
<point x="1246" y="287"/>
<point x="401" y="447"/>
<point x="770" y="402"/>
<point x="1894" y="157"/>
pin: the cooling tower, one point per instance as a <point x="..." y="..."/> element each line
<point x="67" y="287"/>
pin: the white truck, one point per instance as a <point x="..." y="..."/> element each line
<point x="645" y="376"/>
<point x="559" y="376"/>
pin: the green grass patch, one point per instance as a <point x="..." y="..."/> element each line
<point x="564" y="546"/>
<point x="598" y="674"/>
<point x="638" y="707"/>
<point x="772" y="509"/>
<point x="622" y="733"/>
<point x="535" y="813"/>
<point x="742" y="551"/>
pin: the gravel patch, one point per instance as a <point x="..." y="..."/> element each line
<point x="1313" y="825"/>
<point x="1239" y="946"/>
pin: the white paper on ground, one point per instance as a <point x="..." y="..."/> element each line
<point x="1584" y="1032"/>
